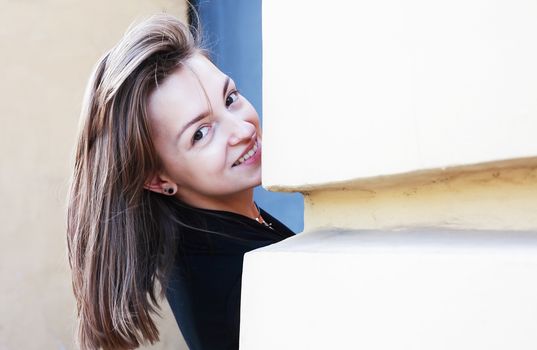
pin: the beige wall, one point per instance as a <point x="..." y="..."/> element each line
<point x="47" y="50"/>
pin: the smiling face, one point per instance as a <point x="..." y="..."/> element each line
<point x="206" y="135"/>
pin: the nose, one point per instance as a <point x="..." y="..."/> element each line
<point x="240" y="131"/>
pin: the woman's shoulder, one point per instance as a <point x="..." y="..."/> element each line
<point x="226" y="225"/>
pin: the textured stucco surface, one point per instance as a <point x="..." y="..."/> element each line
<point x="409" y="127"/>
<point x="493" y="197"/>
<point x="48" y="49"/>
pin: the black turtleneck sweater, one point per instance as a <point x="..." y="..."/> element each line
<point x="205" y="285"/>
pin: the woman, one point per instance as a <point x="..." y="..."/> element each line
<point x="162" y="193"/>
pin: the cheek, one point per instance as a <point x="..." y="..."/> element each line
<point x="174" y="163"/>
<point x="209" y="161"/>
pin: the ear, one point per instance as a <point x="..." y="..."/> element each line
<point x="159" y="183"/>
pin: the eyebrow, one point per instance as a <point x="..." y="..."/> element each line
<point x="226" y="84"/>
<point x="204" y="114"/>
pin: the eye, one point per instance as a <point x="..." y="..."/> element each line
<point x="232" y="97"/>
<point x="200" y="133"/>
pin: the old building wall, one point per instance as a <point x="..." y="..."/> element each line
<point x="47" y="51"/>
<point x="409" y="128"/>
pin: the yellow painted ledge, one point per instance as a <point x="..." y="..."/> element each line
<point x="495" y="196"/>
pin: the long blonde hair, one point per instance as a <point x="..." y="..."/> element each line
<point x="120" y="241"/>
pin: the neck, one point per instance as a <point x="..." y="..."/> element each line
<point x="240" y="203"/>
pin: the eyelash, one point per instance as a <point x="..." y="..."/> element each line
<point x="202" y="135"/>
<point x="235" y="93"/>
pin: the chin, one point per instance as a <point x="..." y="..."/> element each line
<point x="258" y="180"/>
<point x="255" y="184"/>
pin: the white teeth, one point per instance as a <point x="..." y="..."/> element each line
<point x="247" y="155"/>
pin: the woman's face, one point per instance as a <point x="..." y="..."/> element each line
<point x="202" y="128"/>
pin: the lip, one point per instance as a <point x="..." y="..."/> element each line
<point x="254" y="157"/>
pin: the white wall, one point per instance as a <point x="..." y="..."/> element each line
<point x="356" y="89"/>
<point x="412" y="126"/>
<point x="406" y="289"/>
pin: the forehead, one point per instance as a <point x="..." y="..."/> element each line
<point x="183" y="94"/>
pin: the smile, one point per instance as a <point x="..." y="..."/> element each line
<point x="247" y="155"/>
